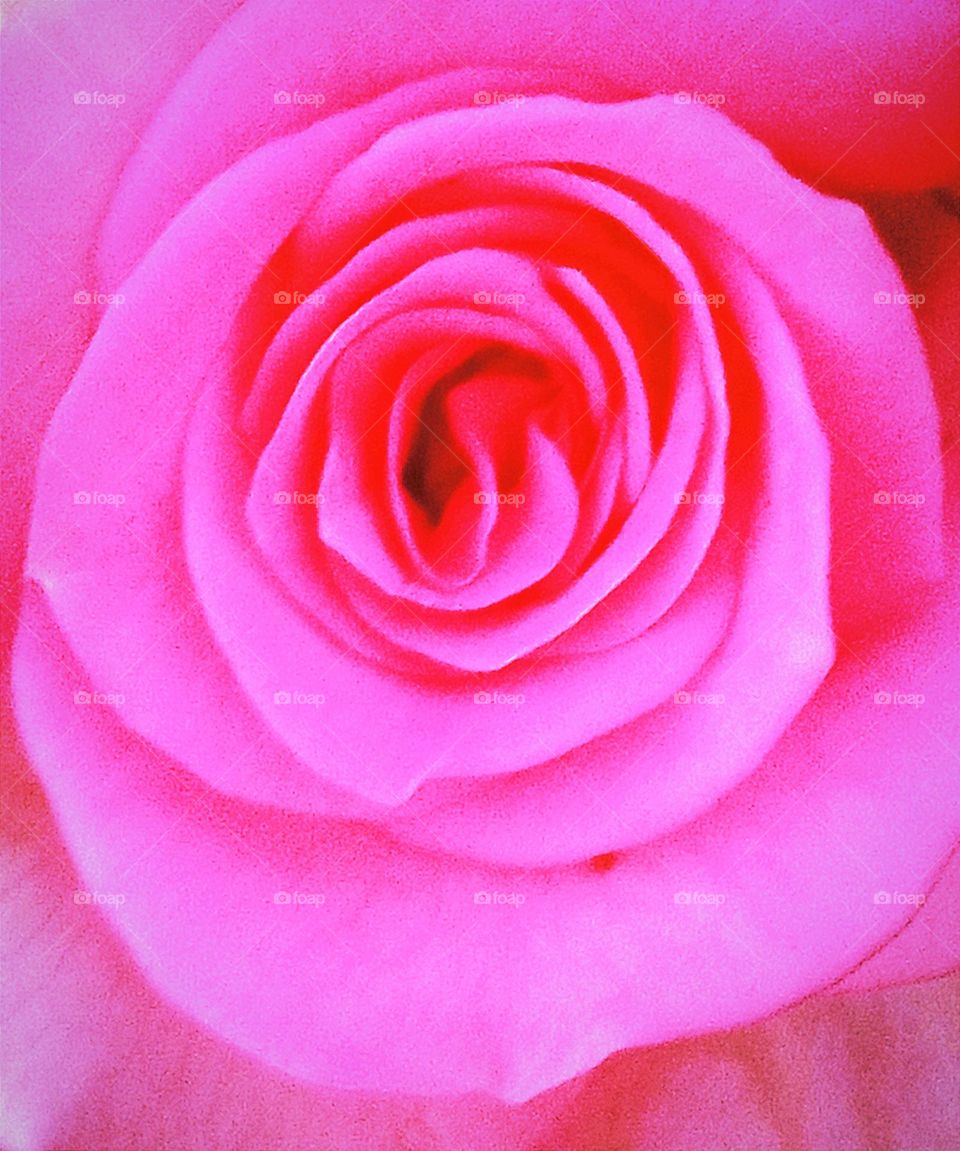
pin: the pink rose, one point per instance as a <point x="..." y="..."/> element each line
<point x="488" y="588"/>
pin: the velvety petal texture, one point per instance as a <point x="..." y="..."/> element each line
<point x="484" y="572"/>
<point x="833" y="1072"/>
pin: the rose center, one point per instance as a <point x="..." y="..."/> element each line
<point x="470" y="425"/>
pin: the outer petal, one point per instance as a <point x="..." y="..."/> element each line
<point x="928" y="945"/>
<point x="767" y="61"/>
<point x="93" y="1056"/>
<point x="62" y="162"/>
<point x="92" y="1060"/>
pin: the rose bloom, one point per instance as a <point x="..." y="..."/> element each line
<point x="481" y="564"/>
